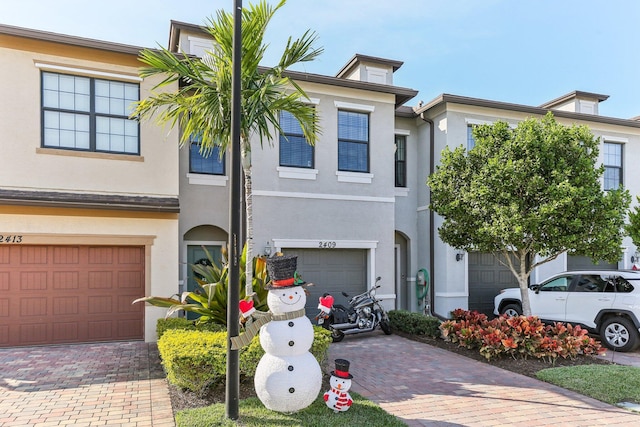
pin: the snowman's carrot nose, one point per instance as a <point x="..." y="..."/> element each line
<point x="290" y="296"/>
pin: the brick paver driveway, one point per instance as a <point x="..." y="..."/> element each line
<point x="115" y="384"/>
<point x="429" y="386"/>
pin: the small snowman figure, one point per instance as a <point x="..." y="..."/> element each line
<point x="288" y="378"/>
<point x="338" y="397"/>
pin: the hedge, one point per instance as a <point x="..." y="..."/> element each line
<point x="182" y="323"/>
<point x="196" y="359"/>
<point x="414" y="323"/>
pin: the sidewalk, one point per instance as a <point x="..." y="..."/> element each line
<point x="114" y="384"/>
<point x="428" y="386"/>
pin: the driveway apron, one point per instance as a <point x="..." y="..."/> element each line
<point x="114" y="384"/>
<point x="428" y="386"/>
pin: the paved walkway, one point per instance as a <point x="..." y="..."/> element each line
<point x="114" y="384"/>
<point x="428" y="386"/>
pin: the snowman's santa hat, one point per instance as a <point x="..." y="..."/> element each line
<point x="342" y="369"/>
<point x="282" y="272"/>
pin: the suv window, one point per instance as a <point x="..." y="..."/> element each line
<point x="560" y="284"/>
<point x="621" y="284"/>
<point x="590" y="283"/>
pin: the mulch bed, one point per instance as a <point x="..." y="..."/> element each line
<point x="528" y="367"/>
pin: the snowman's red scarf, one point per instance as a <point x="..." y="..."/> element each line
<point x="260" y="319"/>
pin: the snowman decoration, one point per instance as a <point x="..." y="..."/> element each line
<point x="338" y="397"/>
<point x="288" y="378"/>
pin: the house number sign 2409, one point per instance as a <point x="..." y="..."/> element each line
<point x="326" y="244"/>
<point x="10" y="238"/>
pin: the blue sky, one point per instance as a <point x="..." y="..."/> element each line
<point x="520" y="51"/>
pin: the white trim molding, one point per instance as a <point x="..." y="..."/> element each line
<point x="297" y="173"/>
<point x="609" y="138"/>
<point x="354" y="177"/>
<point x="403" y="132"/>
<point x="469" y="121"/>
<point x="402" y="191"/>
<point x="204" y="179"/>
<point x="452" y="294"/>
<point x="354" y="107"/>
<point x="320" y="196"/>
<point x="87" y="72"/>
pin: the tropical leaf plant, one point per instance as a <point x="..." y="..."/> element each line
<point x="209" y="300"/>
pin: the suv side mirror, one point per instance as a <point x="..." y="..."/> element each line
<point x="535" y="288"/>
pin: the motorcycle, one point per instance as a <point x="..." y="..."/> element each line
<point x="364" y="314"/>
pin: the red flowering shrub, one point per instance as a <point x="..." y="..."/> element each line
<point x="518" y="337"/>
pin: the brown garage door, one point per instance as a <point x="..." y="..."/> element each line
<point x="70" y="294"/>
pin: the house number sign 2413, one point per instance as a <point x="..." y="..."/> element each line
<point x="323" y="244"/>
<point x="10" y="238"/>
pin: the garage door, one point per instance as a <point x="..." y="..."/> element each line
<point x="575" y="262"/>
<point x="70" y="294"/>
<point x="486" y="278"/>
<point x="332" y="271"/>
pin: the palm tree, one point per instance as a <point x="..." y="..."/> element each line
<point x="202" y="104"/>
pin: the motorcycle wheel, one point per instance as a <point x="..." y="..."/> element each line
<point x="385" y="326"/>
<point x="337" y="335"/>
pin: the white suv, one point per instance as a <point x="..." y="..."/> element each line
<point x="603" y="301"/>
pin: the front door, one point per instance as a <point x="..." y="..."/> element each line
<point x="197" y="255"/>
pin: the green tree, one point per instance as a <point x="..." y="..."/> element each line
<point x="528" y="194"/>
<point x="202" y="104"/>
<point x="633" y="227"/>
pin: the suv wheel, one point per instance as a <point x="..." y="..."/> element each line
<point x="511" y="310"/>
<point x="619" y="334"/>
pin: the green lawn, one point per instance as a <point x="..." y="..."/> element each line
<point x="253" y="413"/>
<point x="609" y="383"/>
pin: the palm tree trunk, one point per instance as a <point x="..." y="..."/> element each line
<point x="246" y="166"/>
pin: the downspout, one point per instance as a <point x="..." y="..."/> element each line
<point x="432" y="243"/>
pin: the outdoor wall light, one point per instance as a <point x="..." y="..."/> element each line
<point x="267" y="249"/>
<point x="459" y="255"/>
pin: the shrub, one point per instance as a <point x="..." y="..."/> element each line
<point x="193" y="360"/>
<point x="196" y="359"/>
<point x="518" y="337"/>
<point x="182" y="323"/>
<point x="414" y="323"/>
<point x="321" y="341"/>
